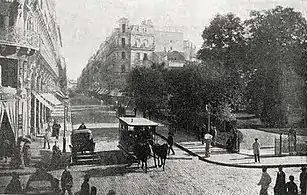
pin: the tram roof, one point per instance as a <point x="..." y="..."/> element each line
<point x="133" y="121"/>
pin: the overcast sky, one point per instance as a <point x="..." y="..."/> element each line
<point x="86" y="23"/>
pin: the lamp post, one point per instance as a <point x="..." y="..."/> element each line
<point x="65" y="99"/>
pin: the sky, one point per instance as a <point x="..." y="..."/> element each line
<point x="86" y="23"/>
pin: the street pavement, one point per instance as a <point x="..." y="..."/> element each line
<point x="184" y="173"/>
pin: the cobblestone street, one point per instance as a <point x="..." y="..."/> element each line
<point x="183" y="174"/>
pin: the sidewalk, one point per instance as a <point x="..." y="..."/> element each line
<point x="220" y="156"/>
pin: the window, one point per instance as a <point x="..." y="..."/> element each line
<point x="123" y="42"/>
<point x="123" y="28"/>
<point x="171" y="48"/>
<point x="123" y="67"/>
<point x="170" y="41"/>
<point x="138" y="56"/>
<point x="145" y="56"/>
<point x="123" y="55"/>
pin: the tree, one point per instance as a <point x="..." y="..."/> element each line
<point x="224" y="48"/>
<point x="274" y="44"/>
<point x="148" y="89"/>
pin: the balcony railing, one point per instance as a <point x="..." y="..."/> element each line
<point x="18" y="36"/>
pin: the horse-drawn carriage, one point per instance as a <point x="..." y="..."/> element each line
<point x="81" y="142"/>
<point x="137" y="139"/>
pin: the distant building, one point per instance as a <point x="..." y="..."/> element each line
<point x="129" y="46"/>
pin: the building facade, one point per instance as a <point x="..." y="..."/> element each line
<point x="32" y="68"/>
<point x="129" y="46"/>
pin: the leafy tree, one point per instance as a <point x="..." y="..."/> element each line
<point x="148" y="89"/>
<point x="224" y="48"/>
<point x="274" y="44"/>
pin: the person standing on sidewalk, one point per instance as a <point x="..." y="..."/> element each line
<point x="264" y="182"/>
<point x="280" y="185"/>
<point x="56" y="129"/>
<point x="291" y="187"/>
<point x="256" y="149"/>
<point x="170" y="141"/>
<point x="47" y="137"/>
<point x="56" y="156"/>
<point x="26" y="153"/>
<point x="66" y="181"/>
<point x="85" y="187"/>
<point x="303" y="180"/>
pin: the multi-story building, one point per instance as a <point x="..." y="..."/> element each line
<point x="130" y="46"/>
<point x="127" y="47"/>
<point x="32" y="68"/>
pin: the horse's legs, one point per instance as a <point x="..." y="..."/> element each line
<point x="154" y="155"/>
<point x="145" y="166"/>
<point x="159" y="161"/>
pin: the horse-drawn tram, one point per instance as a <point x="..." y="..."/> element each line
<point x="137" y="141"/>
<point x="134" y="130"/>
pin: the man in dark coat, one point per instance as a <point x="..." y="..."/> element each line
<point x="14" y="187"/>
<point x="66" y="181"/>
<point x="56" y="155"/>
<point x="170" y="141"/>
<point x="303" y="180"/>
<point x="280" y="185"/>
<point x="85" y="187"/>
<point x="56" y="129"/>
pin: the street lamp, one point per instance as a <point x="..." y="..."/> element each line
<point x="65" y="99"/>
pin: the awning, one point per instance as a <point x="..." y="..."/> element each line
<point x="51" y="98"/>
<point x="41" y="99"/>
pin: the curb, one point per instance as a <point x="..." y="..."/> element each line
<point x="229" y="164"/>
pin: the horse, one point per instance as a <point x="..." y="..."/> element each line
<point x="142" y="152"/>
<point x="161" y="152"/>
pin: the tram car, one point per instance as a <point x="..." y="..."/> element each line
<point x="134" y="130"/>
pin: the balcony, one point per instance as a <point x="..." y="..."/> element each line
<point x="17" y="37"/>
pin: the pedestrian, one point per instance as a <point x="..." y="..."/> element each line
<point x="66" y="181"/>
<point x="47" y="137"/>
<point x="303" y="180"/>
<point x="280" y="185"/>
<point x="56" y="129"/>
<point x="56" y="155"/>
<point x="26" y="153"/>
<point x="202" y="134"/>
<point x="213" y="132"/>
<point x="93" y="190"/>
<point x="291" y="187"/>
<point x="264" y="182"/>
<point x="14" y="187"/>
<point x="85" y="187"/>
<point x="56" y="186"/>
<point x="256" y="149"/>
<point x="170" y="141"/>
<point x="82" y="126"/>
<point x="6" y="150"/>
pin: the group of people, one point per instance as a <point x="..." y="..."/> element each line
<point x="21" y="154"/>
<point x="281" y="187"/>
<point x="14" y="186"/>
<point x="51" y="131"/>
